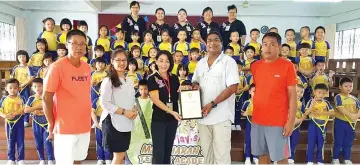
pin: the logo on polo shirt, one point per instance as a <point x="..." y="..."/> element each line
<point x="79" y="78"/>
<point x="277" y="76"/>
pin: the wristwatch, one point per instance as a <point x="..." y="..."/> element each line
<point x="123" y="112"/>
<point x="213" y="104"/>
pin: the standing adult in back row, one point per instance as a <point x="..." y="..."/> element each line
<point x="233" y="24"/>
<point x="134" y="22"/>
<point x="275" y="93"/>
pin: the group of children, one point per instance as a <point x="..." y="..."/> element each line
<point x="309" y="57"/>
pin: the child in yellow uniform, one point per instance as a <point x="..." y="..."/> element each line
<point x="141" y="68"/>
<point x="194" y="55"/>
<point x="132" y="73"/>
<point x="99" y="52"/>
<point x="306" y="63"/>
<point x="12" y="110"/>
<point x="147" y="45"/>
<point x="135" y="53"/>
<point x="47" y="60"/>
<point x="322" y="47"/>
<point x="229" y="51"/>
<point x="165" y="44"/>
<point x="36" y="58"/>
<point x="65" y="26"/>
<point x="49" y="35"/>
<point x="254" y="35"/>
<point x="290" y="36"/>
<point x="346" y="115"/>
<point x="82" y="25"/>
<point x="103" y="156"/>
<point x="178" y="57"/>
<point x="320" y="77"/>
<point x="285" y="51"/>
<point x="120" y="35"/>
<point x="319" y="111"/>
<point x="151" y="71"/>
<point x="305" y="38"/>
<point x="24" y="74"/>
<point x="152" y="56"/>
<point x="247" y="110"/>
<point x="196" y="41"/>
<point x="240" y="97"/>
<point x="104" y="41"/>
<point x="182" y="46"/>
<point x="40" y="124"/>
<point x="61" y="51"/>
<point x="234" y="37"/>
<point x="97" y="76"/>
<point x="182" y="73"/>
<point x="135" y="39"/>
<point x="294" y="138"/>
<point x="250" y="54"/>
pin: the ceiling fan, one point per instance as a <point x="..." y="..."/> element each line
<point x="246" y="4"/>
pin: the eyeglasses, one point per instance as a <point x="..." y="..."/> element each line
<point x="77" y="44"/>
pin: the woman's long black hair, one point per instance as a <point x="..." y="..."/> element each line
<point x="114" y="78"/>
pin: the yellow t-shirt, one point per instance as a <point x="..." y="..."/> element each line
<point x="256" y="45"/>
<point x="350" y="103"/>
<point x="98" y="76"/>
<point x="182" y="80"/>
<point x="302" y="81"/>
<point x="145" y="48"/>
<point x="248" y="107"/>
<point x="96" y="108"/>
<point x="306" y="63"/>
<point x="10" y="105"/>
<point x="247" y="63"/>
<point x="319" y="79"/>
<point x="292" y="48"/>
<point x="183" y="47"/>
<point x="165" y="46"/>
<point x="321" y="48"/>
<point x="117" y="43"/>
<point x="132" y="44"/>
<point x="62" y="38"/>
<point x="85" y="59"/>
<point x="242" y="82"/>
<point x="135" y="77"/>
<point x="197" y="44"/>
<point x="22" y="73"/>
<point x="236" y="48"/>
<point x="41" y="72"/>
<point x="51" y="39"/>
<point x="192" y="66"/>
<point x="36" y="60"/>
<point x="300" y="108"/>
<point x="34" y="101"/>
<point x="174" y="70"/>
<point x="105" y="42"/>
<point x="321" y="106"/>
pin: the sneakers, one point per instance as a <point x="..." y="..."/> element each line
<point x="233" y="128"/>
<point x="335" y="162"/>
<point x="291" y="161"/>
<point x="10" y="162"/>
<point x="21" y="162"/>
<point x="247" y="161"/>
<point x="108" y="162"/>
<point x="348" y="162"/>
<point x="238" y="128"/>
<point x="310" y="163"/>
<point x="256" y="161"/>
<point x="100" y="162"/>
<point x="320" y="163"/>
<point x="51" y="162"/>
<point x="26" y="124"/>
<point x="42" y="162"/>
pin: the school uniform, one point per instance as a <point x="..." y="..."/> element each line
<point x="240" y="99"/>
<point x="51" y="40"/>
<point x="295" y="136"/>
<point x="248" y="108"/>
<point x="156" y="29"/>
<point x="106" y="43"/>
<point x="121" y="43"/>
<point x="226" y="28"/>
<point x="321" y="50"/>
<point x="257" y="47"/>
<point x="206" y="28"/>
<point x="130" y="25"/>
<point x="177" y="27"/>
<point x="293" y="50"/>
<point x="184" y="48"/>
<point x="36" y="61"/>
<point x="96" y="77"/>
<point x="145" y="48"/>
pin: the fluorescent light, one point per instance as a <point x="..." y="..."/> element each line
<point x="317" y="0"/>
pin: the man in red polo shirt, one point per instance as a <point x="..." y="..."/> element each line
<point x="274" y="103"/>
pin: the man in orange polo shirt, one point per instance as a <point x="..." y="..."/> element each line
<point x="274" y="103"/>
<point x="67" y="103"/>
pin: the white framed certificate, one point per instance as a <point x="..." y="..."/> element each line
<point x="190" y="105"/>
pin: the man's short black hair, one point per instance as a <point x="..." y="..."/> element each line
<point x="345" y="80"/>
<point x="74" y="32"/>
<point x="255" y="30"/>
<point x="38" y="80"/>
<point x="230" y="7"/>
<point x="82" y="23"/>
<point x="322" y="87"/>
<point x="13" y="81"/>
<point x="99" y="47"/>
<point x="286" y="45"/>
<point x="249" y="47"/>
<point x="216" y="33"/>
<point x="304" y="45"/>
<point x="143" y="82"/>
<point x="207" y="9"/>
<point x="273" y="35"/>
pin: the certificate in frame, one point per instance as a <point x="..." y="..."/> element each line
<point x="190" y="105"/>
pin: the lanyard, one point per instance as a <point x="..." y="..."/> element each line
<point x="167" y="84"/>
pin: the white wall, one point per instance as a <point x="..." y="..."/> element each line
<point x="34" y="19"/>
<point x="346" y="20"/>
<point x="8" y="14"/>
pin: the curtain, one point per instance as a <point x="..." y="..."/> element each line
<point x="21" y="37"/>
<point x="7" y="42"/>
<point x="347" y="44"/>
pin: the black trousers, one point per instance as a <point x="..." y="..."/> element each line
<point x="163" y="135"/>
